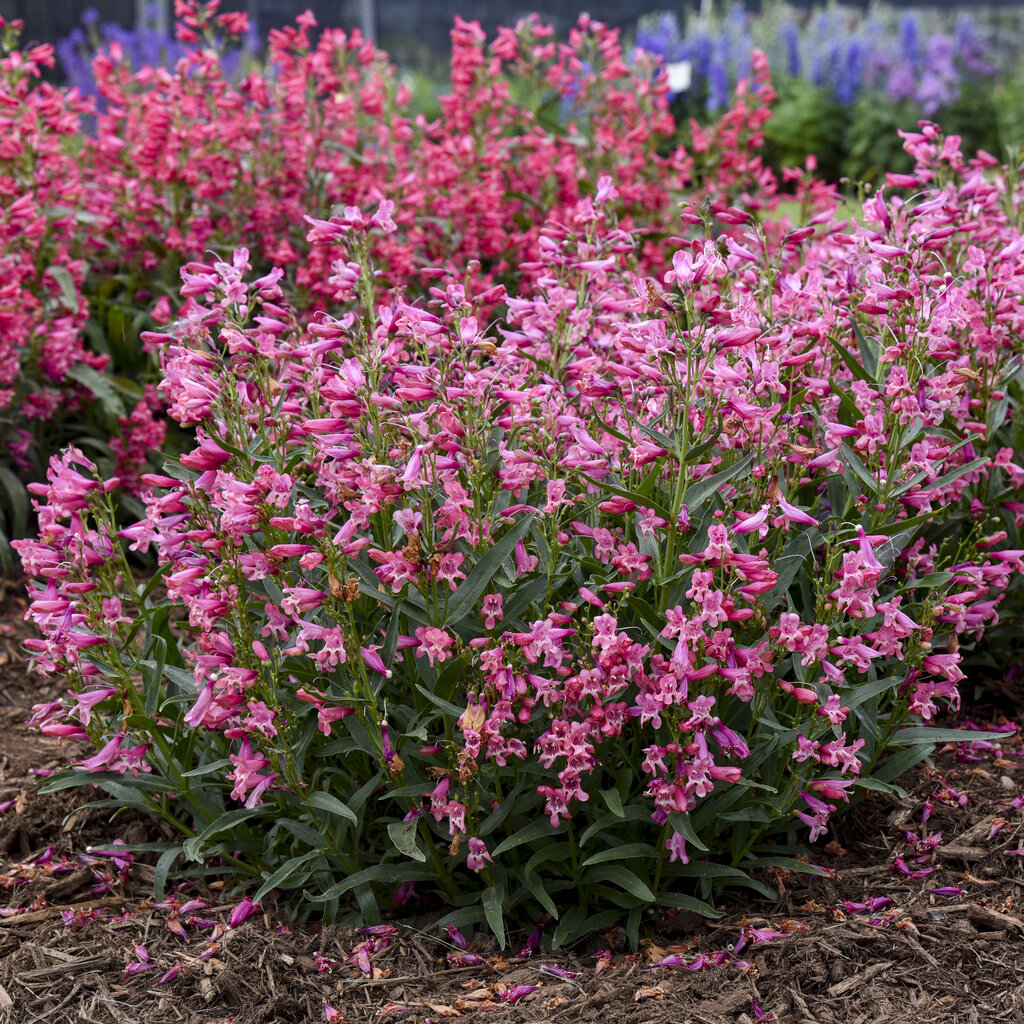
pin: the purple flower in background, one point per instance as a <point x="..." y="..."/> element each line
<point x="718" y="84"/>
<point x="909" y="36"/>
<point x="908" y="55"/>
<point x="852" y="76"/>
<point x="147" y="44"/>
<point x="790" y="36"/>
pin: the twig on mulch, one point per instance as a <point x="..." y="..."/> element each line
<point x="34" y="916"/>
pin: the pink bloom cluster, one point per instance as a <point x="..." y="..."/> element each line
<point x="42" y="312"/>
<point x="526" y="525"/>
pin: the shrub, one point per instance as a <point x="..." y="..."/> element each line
<point x="847" y="80"/>
<point x="184" y="159"/>
<point x="585" y="609"/>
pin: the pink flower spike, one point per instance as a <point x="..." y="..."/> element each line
<point x="753" y="522"/>
<point x="103" y="759"/>
<point x="792" y="514"/>
<point x="374" y="661"/>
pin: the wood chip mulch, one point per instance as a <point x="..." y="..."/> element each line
<point x="71" y="923"/>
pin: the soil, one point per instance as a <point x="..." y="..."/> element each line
<point x="72" y="921"/>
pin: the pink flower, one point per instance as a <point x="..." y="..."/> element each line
<point x="818" y="820"/>
<point x="492" y="610"/>
<point x="105" y="757"/>
<point x="477" y="854"/>
<point x="435" y="644"/>
<point x="244" y="910"/>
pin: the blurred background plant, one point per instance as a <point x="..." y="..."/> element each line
<point x="149" y="43"/>
<point x="848" y="79"/>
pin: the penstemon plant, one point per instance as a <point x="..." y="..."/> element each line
<point x="596" y="606"/>
<point x="101" y="208"/>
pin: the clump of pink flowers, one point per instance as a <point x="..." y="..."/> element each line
<point x="577" y="573"/>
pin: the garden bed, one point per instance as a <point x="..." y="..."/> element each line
<point x="924" y="956"/>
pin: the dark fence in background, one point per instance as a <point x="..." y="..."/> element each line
<point x="410" y="30"/>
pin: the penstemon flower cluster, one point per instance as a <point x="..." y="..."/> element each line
<point x="571" y="597"/>
<point x="42" y="312"/>
<point x="188" y="158"/>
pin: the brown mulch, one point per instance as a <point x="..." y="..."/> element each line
<point x="71" y="922"/>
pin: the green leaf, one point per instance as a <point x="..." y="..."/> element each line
<point x="387" y="653"/>
<point x="789" y="863"/>
<point x="932" y="580"/>
<point x="446" y="706"/>
<point x="540" y="894"/>
<point x="709" y="870"/>
<point x="369" y="910"/>
<point x="180" y="677"/>
<point x="492" y="899"/>
<point x="68" y="291"/>
<point x="99" y="386"/>
<point x="303" y="832"/>
<point x="538" y="829"/>
<point x="207" y="769"/>
<point x="283" y="873"/>
<point x="622" y="877"/>
<point x="868" y="356"/>
<point x="928" y="735"/>
<point x="358" y="800"/>
<point x="550" y="851"/>
<point x="894" y="766"/>
<point x="630" y="813"/>
<point x="704" y="488"/>
<point x="849" y="360"/>
<point x="681" y="902"/>
<point x="501" y="812"/>
<point x="192" y="847"/>
<point x="852" y="459"/>
<point x="332" y="805"/>
<point x="383" y="873"/>
<point x="569" y="926"/>
<point x="877" y="786"/>
<point x="580" y="925"/>
<point x="522" y="597"/>
<point x="955" y="474"/>
<point x="614" y="801"/>
<point x="17" y="500"/>
<point x="683" y="826"/>
<point x="404" y="835"/>
<point x="640" y="499"/>
<point x="153" y="684"/>
<point x="861" y="692"/>
<point x="161" y="871"/>
<point x="628" y="851"/>
<point x="482" y="574"/>
<point x="889" y="529"/>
